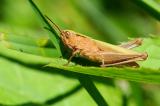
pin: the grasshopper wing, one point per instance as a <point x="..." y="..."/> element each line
<point x="114" y="49"/>
<point x="117" y="55"/>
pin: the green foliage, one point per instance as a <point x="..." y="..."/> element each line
<point x="151" y="46"/>
<point x="29" y="86"/>
<point x="33" y="73"/>
<point x="49" y="65"/>
<point x="44" y="85"/>
<point x="55" y="39"/>
<point x="152" y="7"/>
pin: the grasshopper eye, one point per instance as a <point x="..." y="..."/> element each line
<point x="67" y="34"/>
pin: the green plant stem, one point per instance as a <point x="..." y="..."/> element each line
<point x="92" y="90"/>
<point x="150" y="6"/>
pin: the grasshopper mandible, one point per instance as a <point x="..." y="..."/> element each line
<point x="101" y="52"/>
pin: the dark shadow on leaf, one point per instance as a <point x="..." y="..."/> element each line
<point x="63" y="96"/>
<point x="51" y="70"/>
<point x="92" y="90"/>
<point x="25" y="104"/>
<point x="55" y="99"/>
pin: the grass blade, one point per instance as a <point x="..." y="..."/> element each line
<point x="92" y="90"/>
<point x="105" y="24"/>
<point x="55" y="39"/>
<point x="147" y="75"/>
<point x="150" y="6"/>
<point x="41" y="51"/>
<point x="21" y="39"/>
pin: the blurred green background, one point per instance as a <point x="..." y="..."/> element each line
<point x="112" y="21"/>
<point x="107" y="20"/>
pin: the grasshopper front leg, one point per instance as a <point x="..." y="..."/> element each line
<point x="73" y="54"/>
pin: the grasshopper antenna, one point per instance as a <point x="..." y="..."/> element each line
<point x="54" y="24"/>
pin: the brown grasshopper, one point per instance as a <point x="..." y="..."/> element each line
<point x="101" y="52"/>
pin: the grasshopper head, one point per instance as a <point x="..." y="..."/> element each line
<point x="68" y="36"/>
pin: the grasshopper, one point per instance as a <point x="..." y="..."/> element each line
<point x="101" y="52"/>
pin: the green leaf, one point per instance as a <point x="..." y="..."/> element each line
<point x="110" y="93"/>
<point x="139" y="74"/>
<point x="41" y="51"/>
<point x="25" y="39"/>
<point x="40" y="87"/>
<point x="146" y="73"/>
<point x="151" y="46"/>
<point x="20" y="84"/>
<point x="33" y="45"/>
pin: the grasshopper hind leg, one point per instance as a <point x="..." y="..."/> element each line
<point x="132" y="44"/>
<point x="130" y="63"/>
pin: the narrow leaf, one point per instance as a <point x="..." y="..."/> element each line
<point x="41" y="51"/>
<point x="134" y="74"/>
<point x="55" y="39"/>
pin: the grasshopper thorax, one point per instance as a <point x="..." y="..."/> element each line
<point x="74" y="40"/>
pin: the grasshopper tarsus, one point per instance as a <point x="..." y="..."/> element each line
<point x="102" y="66"/>
<point x="66" y="64"/>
